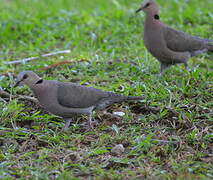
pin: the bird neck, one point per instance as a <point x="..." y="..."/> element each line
<point x="37" y="86"/>
<point x="152" y="17"/>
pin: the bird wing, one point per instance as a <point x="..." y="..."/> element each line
<point x="180" y="41"/>
<point x="76" y="96"/>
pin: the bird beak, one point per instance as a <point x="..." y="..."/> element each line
<point x="140" y="9"/>
<point x="17" y="83"/>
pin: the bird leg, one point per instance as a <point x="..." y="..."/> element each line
<point x="91" y="122"/>
<point x="163" y="67"/>
<point x="67" y="124"/>
<point x="186" y="67"/>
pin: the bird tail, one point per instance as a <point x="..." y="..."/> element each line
<point x="127" y="98"/>
<point x="210" y="45"/>
<point x="210" y="48"/>
<point x="134" y="98"/>
<point x="115" y="98"/>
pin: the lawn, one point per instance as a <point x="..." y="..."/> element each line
<point x="168" y="135"/>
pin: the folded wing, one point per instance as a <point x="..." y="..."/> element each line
<point x="180" y="42"/>
<point x="76" y="96"/>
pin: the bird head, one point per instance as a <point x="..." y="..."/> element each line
<point x="149" y="6"/>
<point x="28" y="78"/>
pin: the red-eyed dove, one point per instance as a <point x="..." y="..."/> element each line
<point x="69" y="100"/>
<point x="168" y="45"/>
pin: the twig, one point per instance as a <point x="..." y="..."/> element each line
<point x="2" y="100"/>
<point x="51" y="66"/>
<point x="165" y="141"/>
<point x="29" y="98"/>
<point x="33" y="58"/>
<point x="4" y="94"/>
<point x="55" y="65"/>
<point x="4" y="131"/>
<point x="8" y="74"/>
<point x="130" y="123"/>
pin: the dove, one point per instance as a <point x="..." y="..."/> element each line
<point x="69" y="100"/>
<point x="167" y="45"/>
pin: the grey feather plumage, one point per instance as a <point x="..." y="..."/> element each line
<point x="68" y="100"/>
<point x="166" y="44"/>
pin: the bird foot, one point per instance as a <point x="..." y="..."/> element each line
<point x="159" y="75"/>
<point x="92" y="124"/>
<point x="89" y="125"/>
<point x="67" y="125"/>
<point x="64" y="129"/>
<point x="187" y="67"/>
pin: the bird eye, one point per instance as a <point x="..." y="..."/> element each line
<point x="25" y="76"/>
<point x="147" y="4"/>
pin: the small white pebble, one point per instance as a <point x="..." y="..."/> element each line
<point x="118" y="149"/>
<point x="119" y="113"/>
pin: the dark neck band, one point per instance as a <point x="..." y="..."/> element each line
<point x="156" y="16"/>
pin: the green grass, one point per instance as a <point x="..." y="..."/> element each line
<point x="108" y="34"/>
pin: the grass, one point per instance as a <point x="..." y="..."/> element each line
<point x="108" y="34"/>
